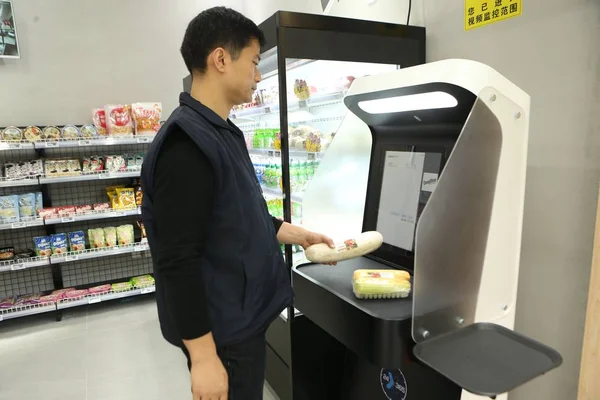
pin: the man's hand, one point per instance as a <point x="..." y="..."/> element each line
<point x="209" y="379"/>
<point x="311" y="238"/>
<point x="292" y="234"/>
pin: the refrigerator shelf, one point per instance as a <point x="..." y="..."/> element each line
<point x="293" y="105"/>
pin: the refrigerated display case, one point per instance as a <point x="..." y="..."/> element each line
<point x="308" y="66"/>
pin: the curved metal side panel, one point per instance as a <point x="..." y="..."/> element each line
<point x="452" y="233"/>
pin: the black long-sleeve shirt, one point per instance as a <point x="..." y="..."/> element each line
<point x="182" y="211"/>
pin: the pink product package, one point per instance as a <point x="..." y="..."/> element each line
<point x="51" y="298"/>
<point x="102" y="289"/>
<point x="61" y="293"/>
<point x="28" y="300"/>
<point x="8" y="302"/>
<point x="75" y="294"/>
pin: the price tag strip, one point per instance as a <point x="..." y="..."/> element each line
<point x="94" y="300"/>
<point x="148" y="290"/>
<point x="71" y="258"/>
<point x="51" y="144"/>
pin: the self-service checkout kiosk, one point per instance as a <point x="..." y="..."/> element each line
<point x="434" y="158"/>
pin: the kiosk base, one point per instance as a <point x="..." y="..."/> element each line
<point x="324" y="369"/>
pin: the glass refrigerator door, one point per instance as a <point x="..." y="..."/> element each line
<point x="315" y="110"/>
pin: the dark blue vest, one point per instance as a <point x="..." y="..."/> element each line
<point x="246" y="279"/>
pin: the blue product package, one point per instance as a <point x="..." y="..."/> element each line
<point x="58" y="242"/>
<point x="27" y="205"/>
<point x="42" y="246"/>
<point x="77" y="240"/>
<point x="39" y="202"/>
<point x="9" y="209"/>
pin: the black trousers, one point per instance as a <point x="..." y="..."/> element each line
<point x="245" y="363"/>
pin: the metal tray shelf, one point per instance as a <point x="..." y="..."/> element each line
<point x="17" y="265"/>
<point x="96" y="253"/>
<point x="92" y="216"/>
<point x="93" y="299"/>
<point x="23" y="311"/>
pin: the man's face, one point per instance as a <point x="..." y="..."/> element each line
<point x="243" y="75"/>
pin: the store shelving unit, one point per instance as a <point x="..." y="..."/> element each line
<point x="74" y="269"/>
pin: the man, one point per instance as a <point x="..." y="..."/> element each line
<point x="219" y="271"/>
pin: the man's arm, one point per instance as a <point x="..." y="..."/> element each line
<point x="182" y="212"/>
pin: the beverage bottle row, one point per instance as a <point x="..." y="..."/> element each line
<point x="268" y="172"/>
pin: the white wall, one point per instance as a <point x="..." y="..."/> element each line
<point x="552" y="52"/>
<point x="77" y="55"/>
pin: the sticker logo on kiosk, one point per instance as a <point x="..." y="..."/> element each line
<point x="393" y="384"/>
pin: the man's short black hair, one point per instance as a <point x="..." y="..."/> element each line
<point x="217" y="27"/>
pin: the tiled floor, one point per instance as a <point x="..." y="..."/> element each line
<point x="110" y="351"/>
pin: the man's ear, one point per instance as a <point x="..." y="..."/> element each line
<point x="218" y="58"/>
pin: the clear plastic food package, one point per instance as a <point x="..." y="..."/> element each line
<point x="146" y="117"/>
<point x="118" y="119"/>
<point x="381" y="284"/>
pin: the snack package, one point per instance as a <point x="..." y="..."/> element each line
<point x="7" y="253"/>
<point x="120" y="287"/>
<point x="125" y="198"/>
<point x="125" y="235"/>
<point x="381" y="284"/>
<point x="115" y="164"/>
<point x="35" y="167"/>
<point x="76" y="294"/>
<point x="99" y="120"/>
<point x="146" y="117"/>
<point x="69" y="167"/>
<point x="9" y="209"/>
<point x="70" y="132"/>
<point x="42" y="246"/>
<point x="101" y="206"/>
<point x="65" y="210"/>
<point x="83" y="209"/>
<point x="7" y="302"/>
<point x="61" y="293"/>
<point x="142" y="281"/>
<point x="77" y="241"/>
<point x="27" y="205"/>
<point x="89" y="132"/>
<point x="32" y="133"/>
<point x="139" y="195"/>
<point x="110" y="236"/>
<point x="58" y="243"/>
<point x="96" y="237"/>
<point x="51" y="133"/>
<point x="50" y="298"/>
<point x="12" y="133"/>
<point x="24" y="254"/>
<point x="93" y="164"/>
<point x="28" y="299"/>
<point x="50" y="212"/>
<point x="39" y="202"/>
<point x="118" y="119"/>
<point x="102" y="289"/>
